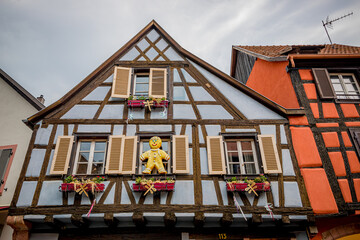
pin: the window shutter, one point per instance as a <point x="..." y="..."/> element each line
<point x="180" y="154"/>
<point x="323" y="83"/>
<point x="215" y="151"/>
<point x="62" y="154"/>
<point x="355" y="135"/>
<point x="269" y="154"/>
<point x="121" y="82"/>
<point x="114" y="155"/>
<point x="157" y="86"/>
<point x="128" y="156"/>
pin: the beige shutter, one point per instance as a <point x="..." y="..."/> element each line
<point x="269" y="154"/>
<point x="62" y="154"/>
<point x="180" y="152"/>
<point x="121" y="82"/>
<point x="323" y="83"/>
<point x="114" y="155"/>
<point x="128" y="156"/>
<point x="157" y="84"/>
<point x="216" y="158"/>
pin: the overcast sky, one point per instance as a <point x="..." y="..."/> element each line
<point x="50" y="46"/>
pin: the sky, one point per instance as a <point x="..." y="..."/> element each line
<point x="50" y="46"/>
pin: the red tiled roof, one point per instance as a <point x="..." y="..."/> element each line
<point x="284" y="50"/>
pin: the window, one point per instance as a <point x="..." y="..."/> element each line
<point x="241" y="156"/>
<point x="6" y="157"/>
<point x="141" y="83"/>
<point x="345" y="86"/>
<point x="355" y="135"/>
<point x="90" y="157"/>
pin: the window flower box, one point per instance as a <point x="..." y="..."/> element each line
<point x="163" y="103"/>
<point x="71" y="187"/>
<point x="240" y="187"/>
<point x="136" y="103"/>
<point x="158" y="186"/>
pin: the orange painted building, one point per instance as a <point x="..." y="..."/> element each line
<point x="324" y="81"/>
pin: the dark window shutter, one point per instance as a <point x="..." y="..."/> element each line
<point x="355" y="135"/>
<point x="323" y="83"/>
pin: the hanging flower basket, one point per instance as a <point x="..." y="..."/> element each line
<point x="72" y="187"/>
<point x="241" y="187"/>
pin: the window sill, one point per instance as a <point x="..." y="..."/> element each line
<point x="340" y="100"/>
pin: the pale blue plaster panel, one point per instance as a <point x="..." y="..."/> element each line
<point x="152" y="53"/>
<point x="213" y="130"/>
<point x="223" y="191"/>
<point x="124" y="196"/>
<point x="86" y="201"/>
<point x="70" y="129"/>
<point x="288" y="169"/>
<point x="292" y="194"/>
<point x="204" y="161"/>
<point x="110" y="78"/>
<point x="275" y="192"/>
<point x="110" y="197"/>
<point x="176" y="76"/>
<point x="172" y="55"/>
<point x="131" y="129"/>
<point x="153" y="35"/>
<point x="282" y="135"/>
<point x="98" y="94"/>
<point x="118" y="130"/>
<point x="142" y="59"/>
<point x="160" y="59"/>
<point x="149" y="199"/>
<point x="262" y="200"/>
<point x="213" y="112"/>
<point x="250" y="197"/>
<point x="35" y="164"/>
<point x="238" y="199"/>
<point x="298" y="217"/>
<point x="183" y="111"/>
<point x="177" y="129"/>
<point x="71" y="198"/>
<point x="188" y="132"/>
<point x="81" y="112"/>
<point x="26" y="194"/>
<point x="130" y="55"/>
<point x="209" y="193"/>
<point x="247" y="105"/>
<point x="200" y="94"/>
<point x="112" y="112"/>
<point x="240" y="130"/>
<point x="137" y="113"/>
<point x="158" y="113"/>
<point x="268" y="216"/>
<point x="49" y="164"/>
<point x="184" y="193"/>
<point x="191" y="161"/>
<point x="143" y="44"/>
<point x="163" y="196"/>
<point x="301" y="236"/>
<point x="162" y="44"/>
<point x="50" y="194"/>
<point x="268" y="130"/>
<point x="43" y="134"/>
<point x="201" y="136"/>
<point x="187" y="76"/>
<point x="59" y="132"/>
<point x="155" y="128"/>
<point x="180" y="94"/>
<point x="93" y="128"/>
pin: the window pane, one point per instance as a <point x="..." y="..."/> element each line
<point x="347" y="79"/>
<point x="248" y="157"/>
<point x="334" y="79"/>
<point x="350" y="87"/>
<point x="100" y="146"/>
<point x="233" y="157"/>
<point x="250" y="168"/>
<point x="142" y="79"/>
<point x="82" y="168"/>
<point x="146" y="146"/>
<point x="99" y="157"/>
<point x="235" y="168"/>
<point x="142" y="88"/>
<point x="85" y="146"/>
<point x="338" y="88"/>
<point x="165" y="146"/>
<point x="4" y="159"/>
<point x="246" y="145"/>
<point x="97" y="168"/>
<point x="231" y="146"/>
<point x="84" y="157"/>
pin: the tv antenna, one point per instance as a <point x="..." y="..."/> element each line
<point x="328" y="23"/>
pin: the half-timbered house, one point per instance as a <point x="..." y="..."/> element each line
<point x="324" y="81"/>
<point x="221" y="137"/>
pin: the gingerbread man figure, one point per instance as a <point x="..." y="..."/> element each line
<point x="155" y="157"/>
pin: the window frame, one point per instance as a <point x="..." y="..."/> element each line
<point x="140" y="72"/>
<point x="355" y="141"/>
<point x="8" y="166"/>
<point x="346" y="95"/>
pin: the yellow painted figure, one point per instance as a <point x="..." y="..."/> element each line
<point x="155" y="157"/>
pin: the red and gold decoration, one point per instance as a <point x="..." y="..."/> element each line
<point x="152" y="185"/>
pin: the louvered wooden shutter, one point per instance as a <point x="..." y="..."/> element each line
<point x="62" y="154"/>
<point x="114" y="155"/>
<point x="121" y="82"/>
<point x="157" y="85"/>
<point x="128" y="156"/>
<point x="216" y="158"/>
<point x="269" y="154"/>
<point x="180" y="154"/>
<point x="323" y="83"/>
<point x="355" y="135"/>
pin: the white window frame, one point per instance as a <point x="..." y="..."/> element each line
<point x="241" y="160"/>
<point x="141" y="151"/>
<point x="135" y="83"/>
<point x="345" y="93"/>
<point x="91" y="156"/>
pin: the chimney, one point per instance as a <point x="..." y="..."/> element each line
<point x="41" y="99"/>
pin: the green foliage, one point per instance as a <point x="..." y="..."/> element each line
<point x="70" y="179"/>
<point x="131" y="97"/>
<point x="142" y="98"/>
<point x="98" y="179"/>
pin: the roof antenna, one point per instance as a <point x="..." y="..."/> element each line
<point x="328" y="23"/>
